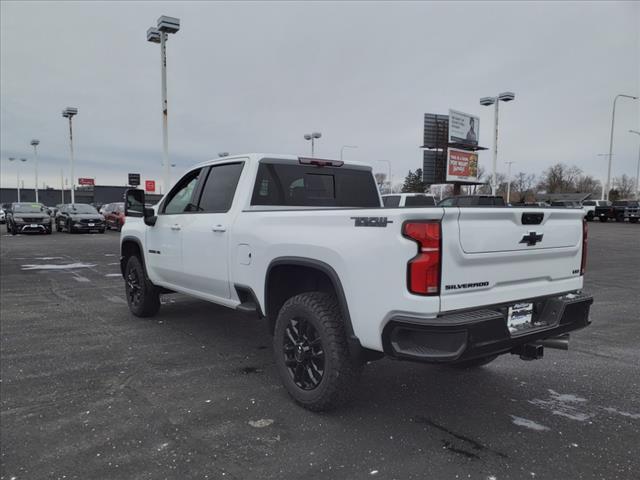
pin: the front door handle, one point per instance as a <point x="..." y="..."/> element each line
<point x="175" y="227"/>
<point x="218" y="228"/>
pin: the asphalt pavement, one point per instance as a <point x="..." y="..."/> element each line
<point x="90" y="392"/>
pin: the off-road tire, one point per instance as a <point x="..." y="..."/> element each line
<point x="143" y="297"/>
<point x="474" y="363"/>
<point x="340" y="370"/>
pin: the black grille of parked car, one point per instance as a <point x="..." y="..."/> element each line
<point x="33" y="220"/>
<point x="90" y="220"/>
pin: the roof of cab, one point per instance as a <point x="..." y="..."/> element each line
<point x="256" y="157"/>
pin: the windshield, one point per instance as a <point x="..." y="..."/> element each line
<point x="81" y="208"/>
<point x="28" y="208"/>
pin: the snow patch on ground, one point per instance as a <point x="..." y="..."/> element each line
<point x="565" y="405"/>
<point x="635" y="416"/>
<point x="263" y="422"/>
<point x="113" y="275"/>
<point x="67" y="266"/>
<point x="523" y="422"/>
<point x="49" y="258"/>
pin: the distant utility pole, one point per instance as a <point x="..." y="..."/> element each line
<point x="613" y="119"/>
<point x="637" y="192"/>
<point x="69" y="113"/>
<point x="34" y="144"/>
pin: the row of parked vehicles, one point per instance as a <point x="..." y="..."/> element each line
<point x="27" y="217"/>
<point x="603" y="210"/>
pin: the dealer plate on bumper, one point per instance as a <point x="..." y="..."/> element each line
<point x="520" y="317"/>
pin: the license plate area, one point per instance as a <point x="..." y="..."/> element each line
<point x="520" y="318"/>
<point x="92" y="224"/>
<point x="34" y="225"/>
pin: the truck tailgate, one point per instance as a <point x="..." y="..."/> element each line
<point x="498" y="255"/>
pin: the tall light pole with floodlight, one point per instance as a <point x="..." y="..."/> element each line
<point x="34" y="143"/>
<point x="637" y="192"/>
<point x="486" y="101"/>
<point x="603" y="182"/>
<point x="160" y="35"/>
<point x="312" y="137"/>
<point x="613" y="119"/>
<point x="345" y="146"/>
<point x="69" y="113"/>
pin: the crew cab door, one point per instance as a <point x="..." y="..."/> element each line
<point x="205" y="236"/>
<point x="164" y="239"/>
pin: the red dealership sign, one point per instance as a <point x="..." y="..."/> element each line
<point x="87" y="181"/>
<point x="462" y="166"/>
<point x="150" y="185"/>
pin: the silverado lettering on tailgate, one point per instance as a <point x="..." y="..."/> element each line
<point x="461" y="286"/>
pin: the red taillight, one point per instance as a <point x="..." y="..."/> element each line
<point x="583" y="262"/>
<point x="423" y="270"/>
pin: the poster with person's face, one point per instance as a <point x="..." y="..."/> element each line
<point x="462" y="165"/>
<point x="463" y="128"/>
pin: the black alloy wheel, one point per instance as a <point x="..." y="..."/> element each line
<point x="143" y="297"/>
<point x="133" y="287"/>
<point x="303" y="354"/>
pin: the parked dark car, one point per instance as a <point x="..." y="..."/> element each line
<point x="28" y="217"/>
<point x="114" y="215"/>
<point x="632" y="213"/>
<point x="472" y="201"/>
<point x="623" y="209"/>
<point x="79" y="217"/>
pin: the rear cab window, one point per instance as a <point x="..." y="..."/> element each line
<point x="295" y="185"/>
<point x="391" y="201"/>
<point x="419" y="201"/>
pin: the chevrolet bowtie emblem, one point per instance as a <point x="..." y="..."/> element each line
<point x="531" y="238"/>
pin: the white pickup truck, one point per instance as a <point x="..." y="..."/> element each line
<point x="306" y="244"/>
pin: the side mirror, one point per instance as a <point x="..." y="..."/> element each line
<point x="134" y="203"/>
<point x="134" y="206"/>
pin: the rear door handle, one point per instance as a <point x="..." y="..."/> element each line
<point x="175" y="227"/>
<point x="218" y="228"/>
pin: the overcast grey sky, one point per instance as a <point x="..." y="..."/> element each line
<point x="254" y="77"/>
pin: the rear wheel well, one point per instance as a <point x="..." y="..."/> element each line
<point x="286" y="281"/>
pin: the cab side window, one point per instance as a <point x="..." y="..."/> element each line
<point x="179" y="200"/>
<point x="220" y="187"/>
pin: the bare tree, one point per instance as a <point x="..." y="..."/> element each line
<point x="588" y="184"/>
<point x="523" y="184"/>
<point x="559" y="178"/>
<point x="624" y="186"/>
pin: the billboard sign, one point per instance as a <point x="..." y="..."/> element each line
<point x="463" y="128"/>
<point x="134" y="179"/>
<point x="149" y="185"/>
<point x="462" y="165"/>
<point x="86" y="181"/>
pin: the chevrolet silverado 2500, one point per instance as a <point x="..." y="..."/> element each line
<point x="306" y="244"/>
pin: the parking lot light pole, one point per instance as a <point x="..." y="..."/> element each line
<point x="312" y="137"/>
<point x="69" y="113"/>
<point x="486" y="101"/>
<point x="509" y="181"/>
<point x="613" y="120"/>
<point x="159" y="35"/>
<point x="346" y="146"/>
<point x="637" y="191"/>
<point x="35" y="143"/>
